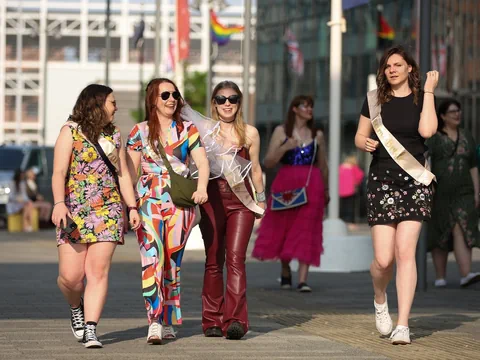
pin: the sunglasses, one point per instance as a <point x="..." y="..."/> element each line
<point x="166" y="95"/>
<point x="232" y="99"/>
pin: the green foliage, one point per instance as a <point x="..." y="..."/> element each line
<point x="195" y="94"/>
<point x="196" y="90"/>
<point x="138" y="116"/>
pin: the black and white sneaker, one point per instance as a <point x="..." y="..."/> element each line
<point x="77" y="321"/>
<point x="304" y="288"/>
<point x="90" y="339"/>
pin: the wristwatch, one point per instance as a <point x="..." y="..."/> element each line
<point x="261" y="196"/>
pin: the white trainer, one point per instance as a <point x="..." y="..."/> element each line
<point x="400" y="336"/>
<point x="440" y="283"/>
<point x="154" y="334"/>
<point x="168" y="332"/>
<point x="383" y="321"/>
<point x="470" y="279"/>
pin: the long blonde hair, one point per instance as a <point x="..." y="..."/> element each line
<point x="239" y="124"/>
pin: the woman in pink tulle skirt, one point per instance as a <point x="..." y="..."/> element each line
<point x="295" y="233"/>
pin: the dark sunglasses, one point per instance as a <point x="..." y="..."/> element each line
<point x="166" y="95"/>
<point x="232" y="99"/>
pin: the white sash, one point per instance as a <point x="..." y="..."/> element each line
<point x="396" y="150"/>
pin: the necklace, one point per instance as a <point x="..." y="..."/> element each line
<point x="303" y="140"/>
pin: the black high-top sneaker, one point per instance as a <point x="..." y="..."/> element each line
<point x="77" y="321"/>
<point x="90" y="339"/>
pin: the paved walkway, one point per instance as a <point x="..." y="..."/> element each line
<point x="333" y="322"/>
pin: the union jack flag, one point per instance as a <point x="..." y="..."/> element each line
<point x="295" y="55"/>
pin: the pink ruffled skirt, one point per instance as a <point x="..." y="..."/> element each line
<point x="294" y="233"/>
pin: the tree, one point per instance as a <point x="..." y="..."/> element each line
<point x="195" y="94"/>
<point x="196" y="90"/>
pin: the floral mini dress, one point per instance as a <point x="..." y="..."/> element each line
<point x="394" y="196"/>
<point x="91" y="194"/>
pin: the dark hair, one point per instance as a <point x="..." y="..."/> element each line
<point x="239" y="124"/>
<point x="89" y="112"/>
<point x="442" y="110"/>
<point x="151" y="111"/>
<point x="384" y="88"/>
<point x="17" y="179"/>
<point x="290" y="120"/>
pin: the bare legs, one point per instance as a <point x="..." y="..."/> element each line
<point x="395" y="242"/>
<point x="463" y="255"/>
<point x="302" y="271"/>
<point x="77" y="261"/>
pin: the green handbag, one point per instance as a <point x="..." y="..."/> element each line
<point x="182" y="189"/>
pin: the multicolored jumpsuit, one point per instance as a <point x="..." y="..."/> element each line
<point x="164" y="227"/>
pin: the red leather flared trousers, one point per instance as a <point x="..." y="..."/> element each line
<point x="226" y="227"/>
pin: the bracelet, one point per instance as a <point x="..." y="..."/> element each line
<point x="130" y="208"/>
<point x="261" y="196"/>
<point x="429" y="92"/>
<point x="58" y="202"/>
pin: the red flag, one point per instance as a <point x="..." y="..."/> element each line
<point x="183" y="29"/>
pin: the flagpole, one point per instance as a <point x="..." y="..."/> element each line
<point x="140" y="69"/>
<point x="246" y="59"/>
<point x="207" y="51"/>
<point x="158" y="14"/>
<point x="335" y="105"/>
<point x="107" y="45"/>
<point x="179" y="65"/>
<point x="425" y="62"/>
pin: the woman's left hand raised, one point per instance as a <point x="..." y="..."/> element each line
<point x="432" y="81"/>
<point x="200" y="196"/>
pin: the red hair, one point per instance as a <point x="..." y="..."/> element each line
<point x="151" y="111"/>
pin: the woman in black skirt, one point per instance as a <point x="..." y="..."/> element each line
<point x="397" y="203"/>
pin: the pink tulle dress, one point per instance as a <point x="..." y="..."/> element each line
<point x="294" y="233"/>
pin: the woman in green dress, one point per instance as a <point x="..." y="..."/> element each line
<point x="454" y="223"/>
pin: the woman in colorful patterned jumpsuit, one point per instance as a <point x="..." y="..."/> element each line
<point x="165" y="227"/>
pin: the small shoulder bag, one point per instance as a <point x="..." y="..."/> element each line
<point x="289" y="199"/>
<point x="182" y="188"/>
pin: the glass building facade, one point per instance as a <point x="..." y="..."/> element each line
<point x="454" y="54"/>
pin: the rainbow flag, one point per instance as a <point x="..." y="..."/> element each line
<point x="221" y="33"/>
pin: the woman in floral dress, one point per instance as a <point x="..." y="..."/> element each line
<point x="454" y="224"/>
<point x="86" y="191"/>
<point x="165" y="227"/>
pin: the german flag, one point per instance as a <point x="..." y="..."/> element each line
<point x="385" y="33"/>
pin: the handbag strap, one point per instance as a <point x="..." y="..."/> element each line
<point x="100" y="151"/>
<point x="164" y="157"/>
<point x="107" y="162"/>
<point x="313" y="161"/>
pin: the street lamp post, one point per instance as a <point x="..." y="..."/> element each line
<point x="425" y="63"/>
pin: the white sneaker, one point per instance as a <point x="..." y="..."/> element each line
<point x="470" y="279"/>
<point x="154" y="336"/>
<point x="383" y="321"/>
<point x="439" y="283"/>
<point x="168" y="332"/>
<point x="400" y="336"/>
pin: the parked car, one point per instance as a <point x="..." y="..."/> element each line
<point x="13" y="157"/>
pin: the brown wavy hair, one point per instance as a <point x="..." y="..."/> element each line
<point x="151" y="116"/>
<point x="384" y="88"/>
<point x="290" y="120"/>
<point x="90" y="114"/>
<point x="239" y="124"/>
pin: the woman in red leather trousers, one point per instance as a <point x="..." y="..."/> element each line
<point x="228" y="218"/>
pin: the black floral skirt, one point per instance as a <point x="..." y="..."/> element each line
<point x="394" y="196"/>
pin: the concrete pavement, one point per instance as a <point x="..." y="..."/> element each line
<point x="334" y="322"/>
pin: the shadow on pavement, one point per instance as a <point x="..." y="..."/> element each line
<point x="427" y="325"/>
